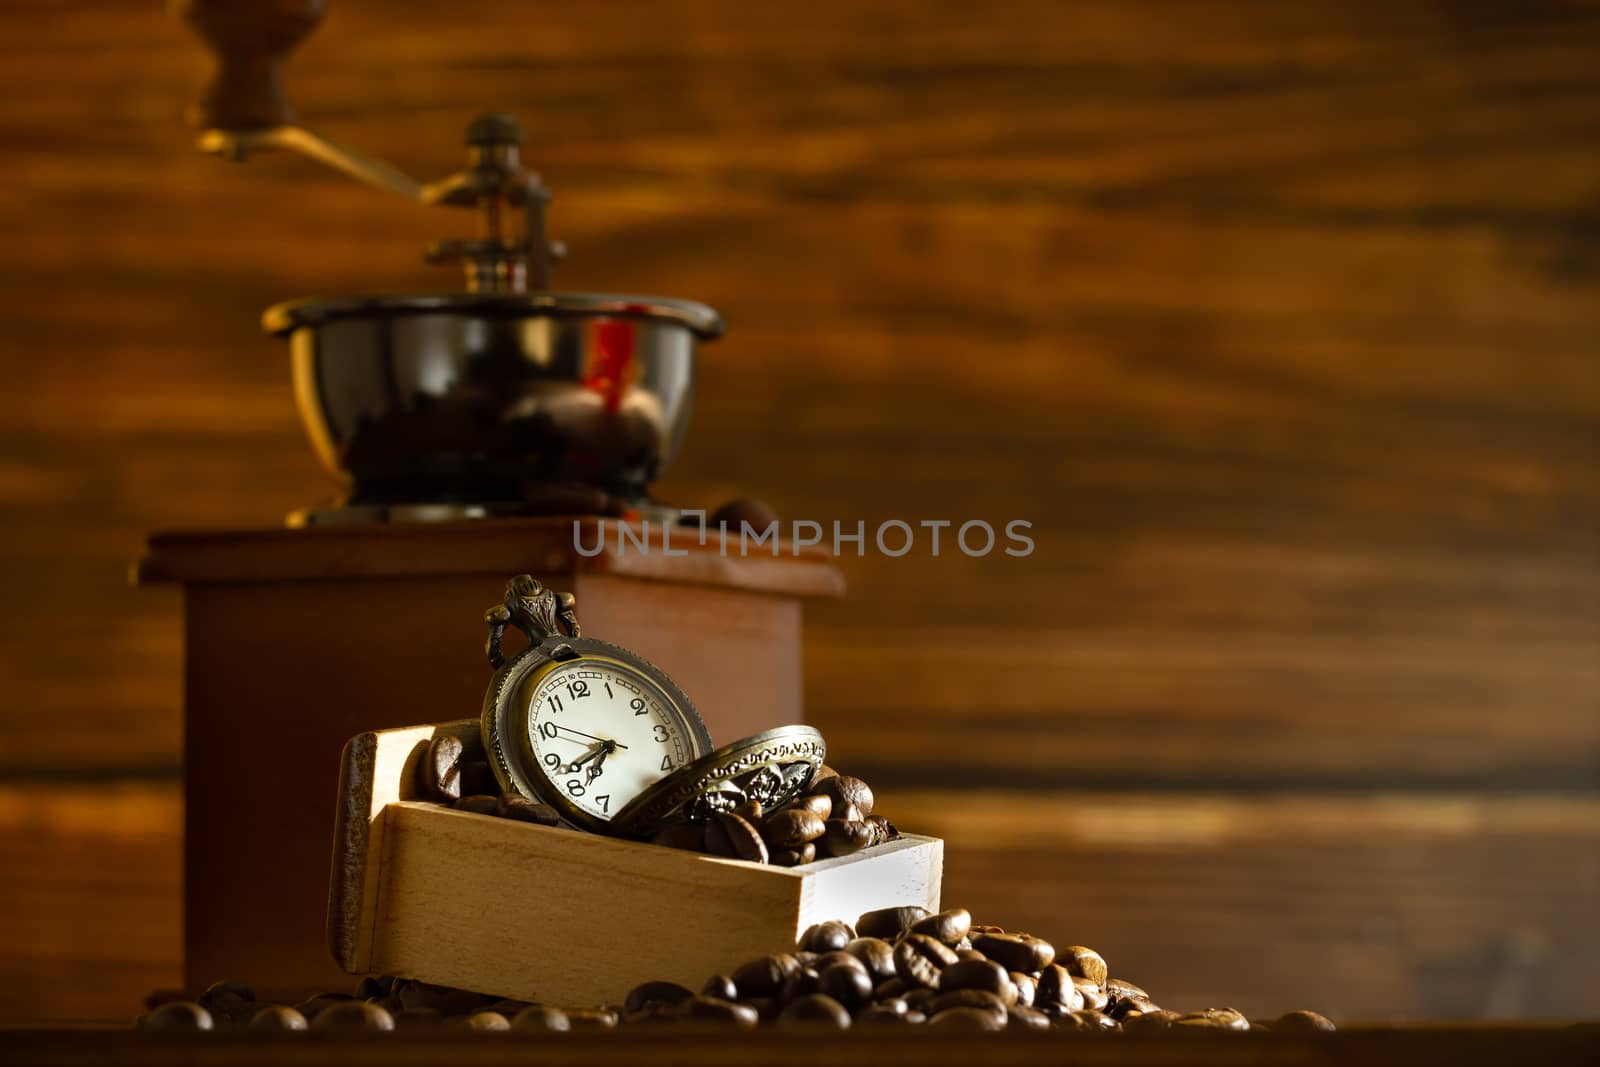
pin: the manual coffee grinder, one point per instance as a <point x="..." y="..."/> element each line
<point x="470" y="432"/>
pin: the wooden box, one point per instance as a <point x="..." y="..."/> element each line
<point x="555" y="915"/>
<point x="296" y="640"/>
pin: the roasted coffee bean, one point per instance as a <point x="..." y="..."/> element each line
<point x="892" y="1014"/>
<point x="851" y="813"/>
<point x="389" y="1004"/>
<point x="792" y="857"/>
<point x="875" y="954"/>
<point x="1016" y="952"/>
<point x="979" y="974"/>
<point x="311" y="1007"/>
<point x="1083" y="962"/>
<point x="918" y="960"/>
<point x="642" y="996"/>
<point x="713" y="1009"/>
<point x="1117" y="989"/>
<point x="1088" y="1021"/>
<point x="889" y="923"/>
<point x="840" y="958"/>
<point x="177" y="1015"/>
<point x="815" y="1010"/>
<point x="596" y="1019"/>
<point x="230" y="1003"/>
<point x="971" y="955"/>
<point x="818" y="804"/>
<point x="801" y="983"/>
<point x="1027" y="985"/>
<point x="353" y="1015"/>
<point x="729" y="835"/>
<point x="967" y="998"/>
<point x="486" y="1022"/>
<point x="948" y="926"/>
<point x="1056" y="989"/>
<point x="441" y="769"/>
<point x="764" y="977"/>
<point x="1093" y="996"/>
<point x="841" y="838"/>
<point x="540" y="1018"/>
<point x="766" y="1008"/>
<point x="1302" y="1022"/>
<point x="889" y="987"/>
<point x="886" y="830"/>
<point x="849" y="984"/>
<point x="277" y="1017"/>
<point x="1149" y="1021"/>
<point x="720" y="987"/>
<point x="513" y="806"/>
<point x="1022" y="1017"/>
<point x="966" y="1019"/>
<point x="1120" y="1009"/>
<point x="750" y="811"/>
<point x="982" y="928"/>
<point x="477" y="779"/>
<point x="919" y="998"/>
<point x="827" y="937"/>
<point x="792" y="828"/>
<point x="824" y="772"/>
<point x="479" y="804"/>
<point x="690" y="836"/>
<point x="843" y="789"/>
<point x="1212" y="1019"/>
<point x="372" y="986"/>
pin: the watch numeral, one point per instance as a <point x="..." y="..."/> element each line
<point x="666" y="763"/>
<point x="555" y="702"/>
<point x="552" y="760"/>
<point x="637" y="704"/>
<point x="604" y="800"/>
<point x="547" y="729"/>
<point x="661" y="733"/>
<point x="609" y="694"/>
<point x="575" y="788"/>
<point x="577" y="689"/>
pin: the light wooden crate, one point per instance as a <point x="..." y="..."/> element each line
<point x="554" y="915"/>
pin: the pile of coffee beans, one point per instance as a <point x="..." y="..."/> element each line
<point x="894" y="967"/>
<point x="834" y="818"/>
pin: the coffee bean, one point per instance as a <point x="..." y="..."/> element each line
<point x="918" y="959"/>
<point x="818" y="804"/>
<point x="889" y="923"/>
<point x="1056" y="989"/>
<point x="1212" y="1019"/>
<point x="277" y="1017"/>
<point x="801" y="983"/>
<point x="1083" y="962"/>
<point x="750" y="811"/>
<point x="1121" y="1009"/>
<point x="642" y="996"/>
<point x="597" y="1019"/>
<point x="479" y="804"/>
<point x="1150" y="1021"/>
<point x="729" y="835"/>
<point x="793" y="857"/>
<point x="979" y="974"/>
<point x="829" y="936"/>
<point x="520" y="808"/>
<point x="965" y="1019"/>
<point x="1093" y="996"/>
<point x="968" y="998"/>
<point x="766" y="1008"/>
<point x="970" y="954"/>
<point x="792" y="828"/>
<point x="230" y="1003"/>
<point x="539" y="1018"/>
<point x="949" y="926"/>
<point x="882" y="1015"/>
<point x="843" y="789"/>
<point x="311" y="1007"/>
<point x="690" y="836"/>
<point x="1022" y="1017"/>
<point x="850" y="813"/>
<point x="486" y="1022"/>
<point x="837" y="957"/>
<point x="477" y="779"/>
<point x="177" y="1015"/>
<point x="849" y="985"/>
<point x="889" y="987"/>
<point x="815" y="1010"/>
<point x="441" y="769"/>
<point x="714" y="1009"/>
<point x="876" y="954"/>
<point x="841" y="838"/>
<point x="374" y="986"/>
<point x="1016" y="952"/>
<point x="720" y="987"/>
<point x="1027" y="985"/>
<point x="1302" y="1022"/>
<point x="353" y="1015"/>
<point x="1087" y="1021"/>
<point x="764" y="977"/>
<point x="389" y="1004"/>
<point x="919" y="998"/>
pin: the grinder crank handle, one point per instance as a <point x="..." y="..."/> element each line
<point x="250" y="40"/>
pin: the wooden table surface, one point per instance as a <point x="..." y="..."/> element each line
<point x="1459" y="1047"/>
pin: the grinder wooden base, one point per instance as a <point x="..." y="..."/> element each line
<point x="559" y="916"/>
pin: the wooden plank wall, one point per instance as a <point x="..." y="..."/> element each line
<point x="1278" y="322"/>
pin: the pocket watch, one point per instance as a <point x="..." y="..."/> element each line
<point x="579" y="724"/>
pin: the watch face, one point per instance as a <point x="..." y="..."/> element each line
<point x="602" y="732"/>
<point x="586" y="727"/>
